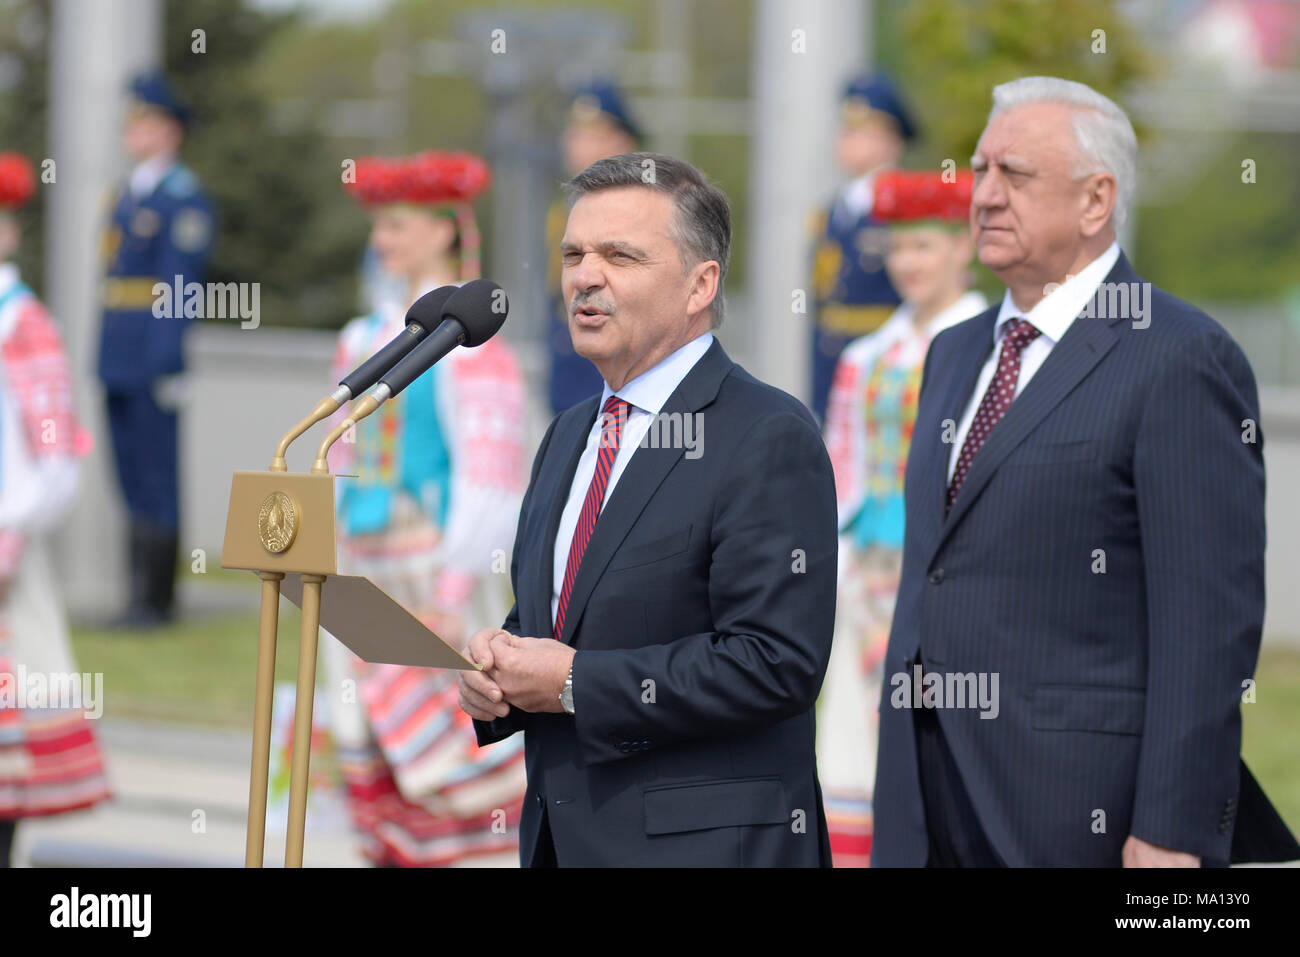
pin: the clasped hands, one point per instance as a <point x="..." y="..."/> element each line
<point x="528" y="673"/>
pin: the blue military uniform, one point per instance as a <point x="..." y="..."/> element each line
<point x="573" y="378"/>
<point x="852" y="295"/>
<point x="151" y="238"/>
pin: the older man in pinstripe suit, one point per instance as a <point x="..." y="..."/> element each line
<point x="1085" y="536"/>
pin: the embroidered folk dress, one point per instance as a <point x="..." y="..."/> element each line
<point x="870" y="414"/>
<point x="50" y="761"/>
<point x="431" y="520"/>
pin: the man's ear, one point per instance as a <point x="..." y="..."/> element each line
<point x="1099" y="202"/>
<point x="704" y="286"/>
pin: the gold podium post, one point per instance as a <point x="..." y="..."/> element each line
<point x="302" y="716"/>
<point x="257" y="781"/>
<point x="280" y="523"/>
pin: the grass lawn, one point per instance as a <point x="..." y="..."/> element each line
<point x="197" y="672"/>
<point x="1270" y="742"/>
<point x="204" y="672"/>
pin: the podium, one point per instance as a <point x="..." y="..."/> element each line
<point x="281" y="526"/>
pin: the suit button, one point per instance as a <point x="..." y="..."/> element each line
<point x="936" y="576"/>
<point x="540" y="801"/>
<point x="624" y="746"/>
<point x="645" y="744"/>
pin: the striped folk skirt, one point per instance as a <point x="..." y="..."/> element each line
<point x="50" y="761"/>
<point x="420" y="790"/>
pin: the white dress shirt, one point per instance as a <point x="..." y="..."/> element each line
<point x="647" y="394"/>
<point x="1052" y="316"/>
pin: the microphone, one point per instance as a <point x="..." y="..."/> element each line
<point x="470" y="318"/>
<point x="421" y="319"/>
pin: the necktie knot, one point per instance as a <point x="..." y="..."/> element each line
<point x="613" y="415"/>
<point x="1020" y="332"/>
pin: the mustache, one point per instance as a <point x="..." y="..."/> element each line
<point x="583" y="300"/>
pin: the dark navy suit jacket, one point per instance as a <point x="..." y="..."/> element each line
<point x="702" y="616"/>
<point x="1120" y="688"/>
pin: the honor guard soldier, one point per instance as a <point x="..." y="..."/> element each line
<point x="852" y="295"/>
<point x="160" y="232"/>
<point x="599" y="125"/>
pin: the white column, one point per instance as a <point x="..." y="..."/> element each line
<point x="801" y="57"/>
<point x="95" y="49"/>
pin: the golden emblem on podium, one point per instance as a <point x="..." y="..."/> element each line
<point x="277" y="522"/>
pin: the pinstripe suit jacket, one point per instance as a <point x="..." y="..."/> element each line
<point x="1105" y="559"/>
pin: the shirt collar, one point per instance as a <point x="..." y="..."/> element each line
<point x="900" y="326"/>
<point x="860" y="194"/>
<point x="970" y="305"/>
<point x="146" y="177"/>
<point x="651" y="389"/>
<point x="1056" y="311"/>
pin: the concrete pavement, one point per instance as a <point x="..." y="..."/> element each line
<point x="181" y="800"/>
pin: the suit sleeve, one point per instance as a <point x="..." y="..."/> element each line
<point x="1199" y="476"/>
<point x="498" y="729"/>
<point x="772" y="596"/>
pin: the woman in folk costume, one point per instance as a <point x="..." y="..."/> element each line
<point x="431" y="519"/>
<point x="868" y="430"/>
<point x="49" y="759"/>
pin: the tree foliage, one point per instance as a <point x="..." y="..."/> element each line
<point x="284" y="221"/>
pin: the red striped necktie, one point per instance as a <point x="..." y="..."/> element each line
<point x="996" y="401"/>
<point x="613" y="416"/>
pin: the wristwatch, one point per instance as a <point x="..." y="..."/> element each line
<point x="566" y="696"/>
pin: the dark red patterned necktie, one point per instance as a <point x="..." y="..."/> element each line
<point x="996" y="401"/>
<point x="613" y="416"/>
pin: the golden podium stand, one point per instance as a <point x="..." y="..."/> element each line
<point x="281" y="526"/>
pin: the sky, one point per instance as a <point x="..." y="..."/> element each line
<point x="327" y="9"/>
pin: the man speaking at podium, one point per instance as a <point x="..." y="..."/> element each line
<point x="674" y="566"/>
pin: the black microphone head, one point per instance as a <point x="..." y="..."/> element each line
<point x="481" y="307"/>
<point x="426" y="311"/>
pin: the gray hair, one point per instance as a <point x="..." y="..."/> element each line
<point x="702" y="217"/>
<point x="1104" y="137"/>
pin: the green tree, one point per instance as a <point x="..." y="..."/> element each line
<point x="1232" y="235"/>
<point x="953" y="52"/>
<point x="24" y="76"/>
<point x="283" y="218"/>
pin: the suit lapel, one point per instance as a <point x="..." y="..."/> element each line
<point x="638" y="482"/>
<point x="1084" y="344"/>
<point x="956" y="391"/>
